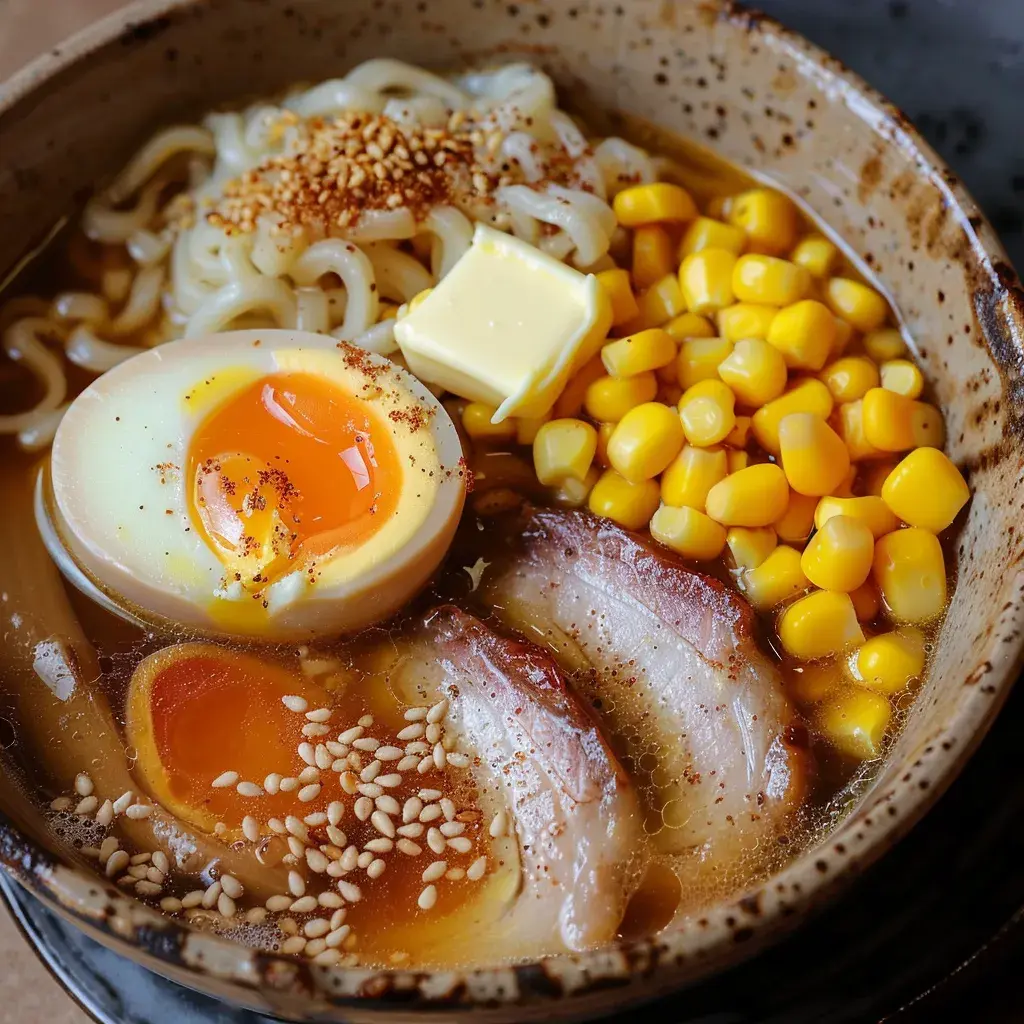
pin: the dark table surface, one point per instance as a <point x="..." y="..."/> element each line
<point x="933" y="932"/>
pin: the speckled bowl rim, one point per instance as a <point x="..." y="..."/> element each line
<point x="729" y="931"/>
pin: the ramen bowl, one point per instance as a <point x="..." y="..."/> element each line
<point x="758" y="96"/>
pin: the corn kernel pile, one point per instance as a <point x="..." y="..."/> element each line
<point x="756" y="407"/>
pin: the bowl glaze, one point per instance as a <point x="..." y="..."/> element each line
<point x="760" y="96"/>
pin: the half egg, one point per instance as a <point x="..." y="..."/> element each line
<point x="264" y="483"/>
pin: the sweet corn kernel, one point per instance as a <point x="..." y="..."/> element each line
<point x="746" y="320"/>
<point x="708" y="233"/>
<point x="755" y="370"/>
<point x="804" y="333"/>
<point x="476" y="419"/>
<point x="851" y="430"/>
<point x="804" y="395"/>
<point x="795" y="525"/>
<point x="769" y="219"/>
<point x="858" y="303"/>
<point x="866" y="602"/>
<point x="855" y="720"/>
<point x="844" y="335"/>
<point x="669" y="394"/>
<point x="689" y="532"/>
<point x="669" y="373"/>
<point x="608" y="399"/>
<point x="927" y="426"/>
<point x="911" y="574"/>
<point x="839" y="555"/>
<point x="778" y="578"/>
<point x="891" y="662"/>
<point x="903" y="377"/>
<point x="845" y="488"/>
<point x="706" y="279"/>
<point x="629" y="505"/>
<point x="690" y="476"/>
<point x="570" y="402"/>
<point x="707" y="410"/>
<point x="820" y="625"/>
<point x="811" y="683"/>
<point x="563" y="448"/>
<point x="648" y="204"/>
<point x="690" y="325"/>
<point x="526" y="428"/>
<point x="604" y="433"/>
<point x="884" y="344"/>
<point x="626" y="357"/>
<point x="699" y="359"/>
<point x="814" y="456"/>
<point x="755" y="496"/>
<point x="653" y="255"/>
<point x="737" y="460"/>
<point x="769" y="280"/>
<point x="740" y="434"/>
<point x="888" y="420"/>
<point x="816" y="254"/>
<point x="661" y="302"/>
<point x="870" y="510"/>
<point x="573" y="493"/>
<point x="749" y="547"/>
<point x="617" y="287"/>
<point x="850" y="378"/>
<point x="926" y="490"/>
<point x="645" y="441"/>
<point x="874" y="474"/>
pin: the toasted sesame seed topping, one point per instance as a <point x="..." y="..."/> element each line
<point x="499" y="824"/>
<point x="476" y="870"/>
<point x="427" y="898"/>
<point x="87" y="806"/>
<point x="350" y="892"/>
<point x="460" y="844"/>
<point x="83" y="784"/>
<point x="139" y="811"/>
<point x="435" y="870"/>
<point x="247" y="789"/>
<point x="295" y="703"/>
<point x="416" y="714"/>
<point x="296" y="884"/>
<point x="276" y="904"/>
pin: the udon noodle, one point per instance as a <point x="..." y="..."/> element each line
<point x="190" y="275"/>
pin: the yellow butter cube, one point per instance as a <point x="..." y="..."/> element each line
<point x="699" y="359"/>
<point x="645" y="441"/>
<point x="777" y="579"/>
<point x="691" y="475"/>
<point x="653" y="255"/>
<point x="563" y="448"/>
<point x="814" y="456"/>
<point x="629" y="505"/>
<point x="857" y="303"/>
<point x="806" y="395"/>
<point x="816" y="254"/>
<point x="911" y="574"/>
<point x="750" y="546"/>
<point x="768" y="280"/>
<point x="706" y="280"/>
<point x="707" y="411"/>
<point x="804" y="333"/>
<point x="755" y="496"/>
<point x="637" y="353"/>
<point x="839" y="555"/>
<point x="746" y="320"/>
<point x="850" y="378"/>
<point x="608" y="399"/>
<point x="820" y="625"/>
<point x="617" y="287"/>
<point x="649" y="204"/>
<point x="769" y="219"/>
<point x="688" y="532"/>
<point x="926" y="490"/>
<point x="855" y="720"/>
<point x="708" y="233"/>
<point x="871" y="510"/>
<point x="756" y="372"/>
<point x="506" y="326"/>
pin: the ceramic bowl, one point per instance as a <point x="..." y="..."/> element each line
<point x="761" y="97"/>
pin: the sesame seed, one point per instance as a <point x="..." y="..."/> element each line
<point x="350" y="858"/>
<point x="408" y="763"/>
<point x="349" y="736"/>
<point x="289" y="785"/>
<point x="457" y="760"/>
<point x="388" y="753"/>
<point x="438" y="711"/>
<point x="383" y="824"/>
<point x="313" y="731"/>
<point x="296" y="847"/>
<point x="338" y="936"/>
<point x="308" y="753"/>
<point x="116" y="863"/>
<point x="436" y="841"/>
<point x="105" y="815"/>
<point x="350" y="892"/>
<point x="232" y="886"/>
<point x="294" y="944"/>
<point x="192" y="899"/>
<point x="247" y="789"/>
<point x="122" y="803"/>
<point x="277" y="825"/>
<point x="288" y="925"/>
<point x="138" y="871"/>
<point x="425" y="765"/>
<point x="370" y="772"/>
<point x="326" y="958"/>
<point x="107" y="847"/>
<point x="295" y="703"/>
<point x="336" y="748"/>
<point x="433" y="733"/>
<point x="316" y="928"/>
<point x="390" y="780"/>
<point x="223" y="781"/>
<point x="275" y="904"/>
<point x="370" y="789"/>
<point x="304" y="905"/>
<point x="366" y="721"/>
<point x="380" y="845"/>
<point x="329" y="899"/>
<point x="448" y="807"/>
<point x="427" y="898"/>
<point x="170" y="905"/>
<point x="320" y="715"/>
<point x="499" y="824"/>
<point x="439" y="755"/>
<point x="367" y="743"/>
<point x="296" y="884"/>
<point x="416" y="714"/>
<point x="83" y="784"/>
<point x="156" y="875"/>
<point x="250" y="828"/>
<point x="460" y="844"/>
<point x="413" y="830"/>
<point x="429" y="795"/>
<point x="139" y="811"/>
<point x="388" y="804"/>
<point x="349" y="783"/>
<point x="412" y="732"/>
<point x="317" y="861"/>
<point x="226" y="905"/>
<point x="430" y="813"/>
<point x="452" y="828"/>
<point x="61" y="803"/>
<point x="335" y="811"/>
<point x="324" y="761"/>
<point x="309" y="793"/>
<point x="476" y="870"/>
<point x="376" y="868"/>
<point x="256" y="915"/>
<point x="365" y="859"/>
<point x="297" y="827"/>
<point x="435" y="870"/>
<point x="308" y="775"/>
<point x="144" y="887"/>
<point x="338" y="917"/>
<point x="211" y="895"/>
<point x="417" y="747"/>
<point x="336" y="836"/>
<point x="87" y="806"/>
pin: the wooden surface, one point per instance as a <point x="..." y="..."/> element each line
<point x="28" y="994"/>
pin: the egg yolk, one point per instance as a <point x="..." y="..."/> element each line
<point x="196" y="712"/>
<point x="288" y="470"/>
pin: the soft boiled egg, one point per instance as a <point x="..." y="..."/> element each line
<point x="272" y="484"/>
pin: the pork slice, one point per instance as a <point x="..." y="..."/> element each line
<point x="575" y="836"/>
<point x="668" y="658"/>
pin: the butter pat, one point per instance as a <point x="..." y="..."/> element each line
<point x="507" y="326"/>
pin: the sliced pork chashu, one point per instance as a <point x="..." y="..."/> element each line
<point x="575" y="844"/>
<point x="668" y="658"/>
